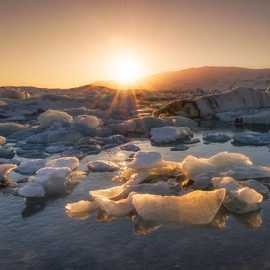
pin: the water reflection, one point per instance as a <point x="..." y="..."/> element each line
<point x="251" y="220"/>
<point x="143" y="227"/>
<point x="33" y="206"/>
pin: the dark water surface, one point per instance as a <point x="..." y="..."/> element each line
<point x="51" y="240"/>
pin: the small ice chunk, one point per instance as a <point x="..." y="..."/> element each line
<point x="145" y="160"/>
<point x="170" y="134"/>
<point x="5" y="169"/>
<point x="69" y="162"/>
<point x="130" y="147"/>
<point x="102" y="166"/>
<point x="197" y="207"/>
<point x="81" y="207"/>
<point x="115" y="208"/>
<point x="179" y="147"/>
<point x="54" y="180"/>
<point x="50" y="117"/>
<point x="89" y="121"/>
<point x="108" y="193"/>
<point x="30" y="166"/>
<point x="2" y="140"/>
<point x="216" y="138"/>
<point x="32" y="190"/>
<point x="251" y="138"/>
<point x="243" y="200"/>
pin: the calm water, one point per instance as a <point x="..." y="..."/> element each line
<point x="51" y="240"/>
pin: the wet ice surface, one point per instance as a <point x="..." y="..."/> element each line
<point x="49" y="239"/>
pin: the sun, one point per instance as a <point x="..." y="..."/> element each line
<point x="126" y="69"/>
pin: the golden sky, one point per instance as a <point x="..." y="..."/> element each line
<point x="65" y="43"/>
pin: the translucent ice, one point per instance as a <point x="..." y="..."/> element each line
<point x="197" y="207"/>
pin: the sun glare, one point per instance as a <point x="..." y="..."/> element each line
<point x="126" y="69"/>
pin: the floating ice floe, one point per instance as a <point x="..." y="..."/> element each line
<point x="179" y="147"/>
<point x="2" y="140"/>
<point x="108" y="193"/>
<point x="236" y="165"/>
<point x="81" y="207"/>
<point x="252" y="138"/>
<point x="88" y="121"/>
<point x="30" y="166"/>
<point x="216" y="138"/>
<point x="168" y="134"/>
<point x="70" y="162"/>
<point x="32" y="190"/>
<point x="239" y="199"/>
<point x="5" y="169"/>
<point x="130" y="147"/>
<point x="243" y="200"/>
<point x="53" y="179"/>
<point x="145" y="160"/>
<point x="50" y="117"/>
<point x="197" y="207"/>
<point x="102" y="166"/>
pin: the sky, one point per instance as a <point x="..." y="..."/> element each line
<point x="66" y="43"/>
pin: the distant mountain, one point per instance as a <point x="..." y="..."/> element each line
<point x="208" y="77"/>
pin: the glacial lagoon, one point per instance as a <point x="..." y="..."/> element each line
<point x="45" y="237"/>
